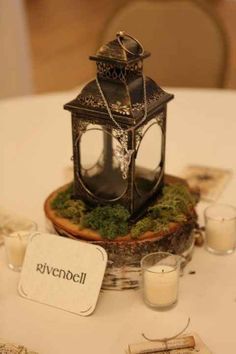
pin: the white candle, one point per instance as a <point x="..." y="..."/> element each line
<point x="220" y="222"/>
<point x="15" y="244"/>
<point x="161" y="285"/>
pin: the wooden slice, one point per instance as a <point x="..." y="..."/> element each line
<point x="125" y="253"/>
<point x="75" y="231"/>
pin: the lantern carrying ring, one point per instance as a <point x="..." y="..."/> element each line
<point x="122" y="34"/>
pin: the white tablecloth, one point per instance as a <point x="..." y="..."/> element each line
<point x="35" y="148"/>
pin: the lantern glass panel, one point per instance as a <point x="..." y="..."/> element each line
<point x="149" y="156"/>
<point x="89" y="156"/>
<point x="100" y="170"/>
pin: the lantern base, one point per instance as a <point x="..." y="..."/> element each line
<point x="125" y="253"/>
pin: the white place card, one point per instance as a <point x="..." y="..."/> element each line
<point x="63" y="273"/>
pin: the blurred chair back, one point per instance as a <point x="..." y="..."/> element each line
<point x="187" y="43"/>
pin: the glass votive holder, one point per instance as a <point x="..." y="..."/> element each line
<point x="16" y="233"/>
<point x="160" y="279"/>
<point x="4" y="216"/>
<point x="220" y="228"/>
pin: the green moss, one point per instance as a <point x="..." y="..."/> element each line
<point x="67" y="207"/>
<point x="109" y="221"/>
<point x="173" y="206"/>
<point x="143" y="225"/>
<point x="62" y="197"/>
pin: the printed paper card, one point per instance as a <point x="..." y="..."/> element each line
<point x="209" y="181"/>
<point x="63" y="273"/>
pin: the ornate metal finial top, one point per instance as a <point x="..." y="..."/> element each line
<point x="121" y="35"/>
<point x="124" y="50"/>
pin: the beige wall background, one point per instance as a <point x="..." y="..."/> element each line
<point x="63" y="33"/>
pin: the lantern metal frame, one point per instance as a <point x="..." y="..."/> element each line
<point x="120" y="76"/>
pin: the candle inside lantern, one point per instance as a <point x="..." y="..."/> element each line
<point x="16" y="234"/>
<point x="160" y="279"/>
<point x="220" y="225"/>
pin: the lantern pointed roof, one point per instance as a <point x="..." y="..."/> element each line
<point x="128" y="109"/>
<point x="129" y="52"/>
<point x="120" y="88"/>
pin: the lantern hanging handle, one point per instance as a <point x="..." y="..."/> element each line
<point x="120" y="35"/>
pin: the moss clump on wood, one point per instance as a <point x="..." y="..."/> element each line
<point x="175" y="205"/>
<point x="109" y="221"/>
<point x="68" y="208"/>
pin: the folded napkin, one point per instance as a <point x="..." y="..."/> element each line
<point x="13" y="348"/>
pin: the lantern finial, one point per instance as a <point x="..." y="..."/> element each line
<point x="121" y="36"/>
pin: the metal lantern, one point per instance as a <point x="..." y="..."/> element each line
<point x="119" y="130"/>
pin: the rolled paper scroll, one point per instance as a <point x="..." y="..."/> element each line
<point x="161" y="346"/>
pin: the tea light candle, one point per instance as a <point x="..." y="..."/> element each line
<point x="161" y="285"/>
<point x="16" y="243"/>
<point x="160" y="272"/>
<point x="16" y="232"/>
<point x="220" y="225"/>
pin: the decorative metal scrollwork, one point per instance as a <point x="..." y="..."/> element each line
<point x="115" y="72"/>
<point x="138" y="136"/>
<point x="79" y="129"/>
<point x="121" y="136"/>
<point x="124" y="157"/>
<point x="82" y="126"/>
<point x="121" y="152"/>
<point x="160" y="120"/>
<point x="117" y="107"/>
